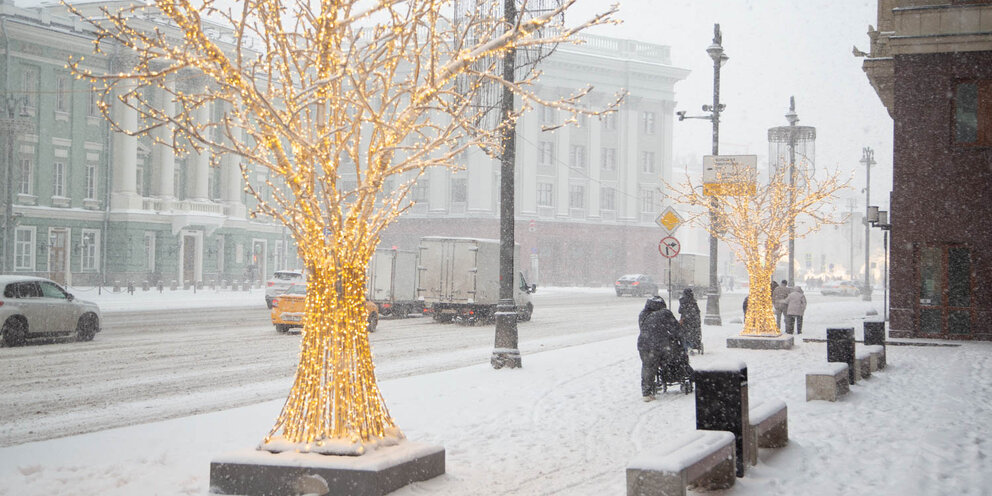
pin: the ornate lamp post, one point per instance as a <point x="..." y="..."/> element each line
<point x="715" y="51"/>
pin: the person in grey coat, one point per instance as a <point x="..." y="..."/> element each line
<point x="779" y="294"/>
<point x="657" y="325"/>
<point x="795" y="308"/>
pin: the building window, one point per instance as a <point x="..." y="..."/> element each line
<point x="547" y="115"/>
<point x="29" y="85"/>
<point x="58" y="179"/>
<point x="609" y="121"/>
<point x="608" y="198"/>
<point x="26" y="179"/>
<point x="608" y="159"/>
<point x="577" y="196"/>
<point x="647" y="201"/>
<point x="93" y="108"/>
<point x="91" y="182"/>
<point x="577" y="157"/>
<point x="647" y="122"/>
<point x="973" y="113"/>
<point x="459" y="190"/>
<point x="24" y="248"/>
<point x="91" y="250"/>
<point x="420" y="189"/>
<point x="545" y="153"/>
<point x="62" y="93"/>
<point x="545" y="195"/>
<point x="150" y="250"/>
<point x="647" y="162"/>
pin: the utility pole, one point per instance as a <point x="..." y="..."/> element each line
<point x="868" y="158"/>
<point x="506" y="352"/>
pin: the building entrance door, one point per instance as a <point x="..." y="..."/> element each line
<point x="945" y="305"/>
<point x="58" y="243"/>
<point x="189" y="259"/>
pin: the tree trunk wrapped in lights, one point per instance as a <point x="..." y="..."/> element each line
<point x="754" y="219"/>
<point x="332" y="98"/>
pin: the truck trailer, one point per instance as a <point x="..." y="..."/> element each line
<point x="392" y="282"/>
<point x="459" y="278"/>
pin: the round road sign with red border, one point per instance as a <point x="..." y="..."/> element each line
<point x="669" y="247"/>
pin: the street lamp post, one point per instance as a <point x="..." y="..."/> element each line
<point x="880" y="219"/>
<point x="868" y="158"/>
<point x="786" y="144"/>
<point x="715" y="51"/>
<point x="505" y="351"/>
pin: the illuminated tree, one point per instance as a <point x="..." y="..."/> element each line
<point x="334" y="98"/>
<point x="755" y="219"/>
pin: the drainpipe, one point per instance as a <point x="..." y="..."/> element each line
<point x="107" y="184"/>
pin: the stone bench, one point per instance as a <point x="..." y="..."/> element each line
<point x="701" y="459"/>
<point x="877" y="356"/>
<point x="769" y="420"/>
<point x="828" y="382"/>
<point x="862" y="365"/>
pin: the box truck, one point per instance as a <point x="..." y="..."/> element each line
<point x="459" y="277"/>
<point x="392" y="282"/>
<point x="689" y="270"/>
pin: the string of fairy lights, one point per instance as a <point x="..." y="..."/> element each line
<point x="329" y="88"/>
<point x="755" y="222"/>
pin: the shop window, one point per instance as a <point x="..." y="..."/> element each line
<point x="973" y="113"/>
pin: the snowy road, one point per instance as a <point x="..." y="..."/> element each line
<point x="154" y="365"/>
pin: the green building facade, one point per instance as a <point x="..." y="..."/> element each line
<point x="84" y="205"/>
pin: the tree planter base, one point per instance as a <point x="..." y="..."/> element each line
<point x="783" y="342"/>
<point x="378" y="472"/>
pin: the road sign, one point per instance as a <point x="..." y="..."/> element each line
<point x="669" y="247"/>
<point x="669" y="220"/>
<point x="730" y="175"/>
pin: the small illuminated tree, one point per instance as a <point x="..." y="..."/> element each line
<point x="754" y="219"/>
<point x="333" y="97"/>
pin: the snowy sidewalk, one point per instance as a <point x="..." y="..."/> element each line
<point x="568" y="422"/>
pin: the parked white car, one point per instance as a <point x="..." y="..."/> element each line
<point x="36" y="308"/>
<point x="280" y="282"/>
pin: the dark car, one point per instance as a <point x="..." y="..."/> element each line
<point x="636" y="285"/>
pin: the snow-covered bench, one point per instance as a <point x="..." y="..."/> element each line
<point x="862" y="365"/>
<point x="877" y="356"/>
<point x="701" y="459"/>
<point x="827" y="382"/>
<point x="769" y="420"/>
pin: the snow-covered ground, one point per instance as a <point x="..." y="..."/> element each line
<point x="568" y="422"/>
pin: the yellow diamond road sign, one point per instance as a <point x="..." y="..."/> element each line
<point x="669" y="220"/>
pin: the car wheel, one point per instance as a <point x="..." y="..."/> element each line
<point x="527" y="313"/>
<point x="373" y="322"/>
<point x="282" y="328"/>
<point x="87" y="327"/>
<point x="15" y="331"/>
<point x="268" y="302"/>
<point x="619" y="293"/>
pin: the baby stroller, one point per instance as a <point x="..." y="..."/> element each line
<point x="675" y="368"/>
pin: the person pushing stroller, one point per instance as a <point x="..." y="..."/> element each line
<point x="658" y="339"/>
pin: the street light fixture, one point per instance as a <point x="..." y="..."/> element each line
<point x="880" y="219"/>
<point x="715" y="51"/>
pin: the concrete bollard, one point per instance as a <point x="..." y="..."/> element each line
<point x="174" y="286"/>
<point x="117" y="286"/>
<point x="145" y="286"/>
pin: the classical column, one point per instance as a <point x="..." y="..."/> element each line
<point x="201" y="160"/>
<point x="594" y="207"/>
<point x="231" y="182"/>
<point x="629" y="167"/>
<point x="124" y="153"/>
<point x="165" y="157"/>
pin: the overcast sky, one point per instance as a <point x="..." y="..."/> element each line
<point x="777" y="49"/>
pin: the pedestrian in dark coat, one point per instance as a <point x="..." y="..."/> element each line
<point x="657" y="326"/>
<point x="689" y="318"/>
<point x="779" y="294"/>
<point x="745" y="306"/>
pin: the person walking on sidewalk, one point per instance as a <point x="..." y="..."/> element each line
<point x="795" y="308"/>
<point x="779" y="294"/>
<point x="656" y="324"/>
<point x="691" y="321"/>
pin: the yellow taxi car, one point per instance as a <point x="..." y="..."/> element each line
<point x="288" y="309"/>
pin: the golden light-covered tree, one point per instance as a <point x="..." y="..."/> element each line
<point x="334" y="98"/>
<point x="755" y="220"/>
